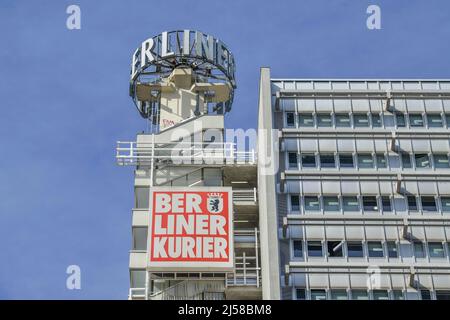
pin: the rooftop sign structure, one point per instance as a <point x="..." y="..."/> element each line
<point x="156" y="58"/>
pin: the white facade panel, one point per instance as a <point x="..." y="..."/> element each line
<point x="308" y="145"/>
<point x="346" y="145"/>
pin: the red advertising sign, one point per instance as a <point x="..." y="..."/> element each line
<point x="190" y="229"/>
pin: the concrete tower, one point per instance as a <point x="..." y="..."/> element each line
<point x="182" y="82"/>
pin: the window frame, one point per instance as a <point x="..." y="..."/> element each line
<point x="291" y="164"/>
<point x="375" y="208"/>
<point x="316" y="198"/>
<point x="375" y="252"/>
<point x="311" y="155"/>
<point x="327" y="165"/>
<point x="294" y="249"/>
<point x="309" y="117"/>
<point x="321" y="116"/>
<point x="358" y="206"/>
<point x="342" y="116"/>
<point x="348" y="156"/>
<point x="357" y="117"/>
<point x="351" y="244"/>
<point x="429" y="115"/>
<point x="288" y="114"/>
<point x="412" y="121"/>
<point x="309" y="250"/>
<point x="360" y="158"/>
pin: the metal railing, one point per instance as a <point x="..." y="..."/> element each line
<point x="246" y="272"/>
<point x="248" y="195"/>
<point x="143" y="153"/>
<point x="192" y="290"/>
<point x="136" y="294"/>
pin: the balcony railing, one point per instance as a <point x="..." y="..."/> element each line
<point x="245" y="195"/>
<point x="134" y="153"/>
<point x="246" y="272"/>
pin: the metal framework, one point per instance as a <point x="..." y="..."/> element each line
<point x="138" y="153"/>
<point x="206" y="69"/>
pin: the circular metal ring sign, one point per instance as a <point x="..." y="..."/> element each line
<point x="158" y="56"/>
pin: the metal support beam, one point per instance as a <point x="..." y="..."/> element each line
<point x="398" y="187"/>
<point x="285" y="227"/>
<point x="392" y="145"/>
<point x="387" y="102"/>
<point x="412" y="275"/>
<point x="405" y="234"/>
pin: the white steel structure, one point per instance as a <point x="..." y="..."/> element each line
<point x="361" y="201"/>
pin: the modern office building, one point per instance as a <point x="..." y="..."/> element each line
<point x="360" y="205"/>
<point x="347" y="196"/>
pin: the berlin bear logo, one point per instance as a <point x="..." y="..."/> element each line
<point x="215" y="202"/>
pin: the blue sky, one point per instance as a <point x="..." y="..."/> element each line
<point x="64" y="103"/>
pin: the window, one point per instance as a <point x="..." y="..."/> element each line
<point x="290" y="119"/>
<point x="342" y="120"/>
<point x="428" y="204"/>
<point x="392" y="249"/>
<point x="370" y="203"/>
<point x="412" y="203"/>
<point x="435" y="121"/>
<point x="142" y="196"/>
<point x="355" y="249"/>
<point x="445" y="204"/>
<point x="334" y="248"/>
<point x="350" y="203"/>
<point x="400" y="118"/>
<point x="376" y="120"/>
<point x="339" y="294"/>
<point x="415" y="120"/>
<point x="318" y="294"/>
<point x="300" y="294"/>
<point x="295" y="203"/>
<point x="308" y="160"/>
<point x="312" y="203"/>
<point x="298" y="248"/>
<point x="406" y="160"/>
<point x="365" y="161"/>
<point x="398" y="295"/>
<point x="359" y="295"/>
<point x="324" y="120"/>
<point x="381" y="161"/>
<point x="327" y="161"/>
<point x="441" y="161"/>
<point x="447" y="119"/>
<point x="386" y="204"/>
<point x="346" y="161"/>
<point x="419" y="251"/>
<point x="305" y="120"/>
<point x="137" y="278"/>
<point x="422" y="160"/>
<point x="436" y="250"/>
<point x="139" y="238"/>
<point x="375" y="249"/>
<point x="331" y="203"/>
<point x="315" y="249"/>
<point x="292" y="160"/>
<point x="380" y="295"/>
<point x="442" y="294"/>
<point x="425" y="294"/>
<point x="361" y="120"/>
